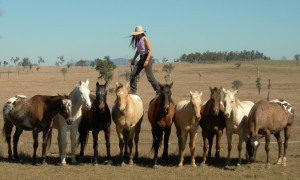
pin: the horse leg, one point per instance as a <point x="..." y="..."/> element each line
<point x="205" y="146"/>
<point x="241" y="139"/>
<point x="193" y="137"/>
<point x="126" y="134"/>
<point x="182" y="147"/>
<point x="287" y="132"/>
<point x="130" y="145"/>
<point x="218" y="144"/>
<point x="44" y="145"/>
<point x="16" y="137"/>
<point x="210" y="143"/>
<point x="95" y="146"/>
<point x="7" y="128"/>
<point x="82" y="138"/>
<point x="107" y="143"/>
<point x="229" y="140"/>
<point x="267" y="138"/>
<point x="136" y="138"/>
<point x="35" y="145"/>
<point x="279" y="142"/>
<point x="73" y="144"/>
<point x="121" y="143"/>
<point x="166" y="144"/>
<point x="156" y="140"/>
<point x="62" y="144"/>
<point x="178" y="132"/>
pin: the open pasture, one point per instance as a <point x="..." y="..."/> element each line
<point x="285" y="83"/>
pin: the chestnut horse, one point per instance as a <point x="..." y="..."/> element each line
<point x="160" y="114"/>
<point x="96" y="119"/>
<point x="35" y="114"/>
<point x="212" y="122"/>
<point x="186" y="119"/>
<point x="266" y="118"/>
<point x="127" y="114"/>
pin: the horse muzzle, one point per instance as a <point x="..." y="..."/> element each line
<point x="227" y="115"/>
<point x="69" y="120"/>
<point x="101" y="108"/>
<point x="166" y="110"/>
<point x="216" y="112"/>
<point x="122" y="110"/>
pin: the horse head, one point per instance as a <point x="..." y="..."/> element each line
<point x="84" y="93"/>
<point x="101" y="94"/>
<point x="122" y="94"/>
<point x="165" y="95"/>
<point x="196" y="102"/>
<point x="229" y="101"/>
<point x="65" y="109"/>
<point x="215" y="97"/>
<point x="251" y="146"/>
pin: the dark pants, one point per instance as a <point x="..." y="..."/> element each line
<point x="148" y="69"/>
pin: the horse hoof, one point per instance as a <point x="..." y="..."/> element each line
<point x="268" y="165"/>
<point x="203" y="165"/>
<point x="155" y="166"/>
<point x="109" y="162"/>
<point x="122" y="164"/>
<point x="238" y="165"/>
<point x="283" y="164"/>
<point x="44" y="164"/>
<point x="180" y="165"/>
<point x="194" y="165"/>
<point x="95" y="164"/>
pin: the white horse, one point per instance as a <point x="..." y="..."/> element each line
<point x="236" y="114"/>
<point x="187" y="117"/>
<point x="79" y="96"/>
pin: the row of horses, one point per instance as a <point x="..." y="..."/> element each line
<point x="82" y="112"/>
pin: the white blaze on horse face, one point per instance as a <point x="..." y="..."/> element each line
<point x="255" y="143"/>
<point x="68" y="104"/>
<point x="85" y="95"/>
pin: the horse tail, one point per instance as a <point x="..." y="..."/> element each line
<point x="49" y="139"/>
<point x="83" y="138"/>
<point x="157" y="138"/>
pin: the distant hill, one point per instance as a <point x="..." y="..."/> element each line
<point x="117" y="61"/>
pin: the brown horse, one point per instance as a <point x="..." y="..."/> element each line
<point x="160" y="114"/>
<point x="35" y="114"/>
<point x="212" y="122"/>
<point x="127" y="114"/>
<point x="96" y="119"/>
<point x="266" y="118"/>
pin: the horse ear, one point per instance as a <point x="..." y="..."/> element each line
<point x="160" y="85"/>
<point x="191" y="93"/>
<point x="106" y="84"/>
<point x="235" y="92"/>
<point x="210" y="89"/>
<point x="87" y="82"/>
<point x="220" y="89"/>
<point x="171" y="85"/>
<point x="200" y="94"/>
<point x="224" y="90"/>
<point x="97" y="84"/>
<point x="80" y="83"/>
<point x="117" y="84"/>
<point x="127" y="85"/>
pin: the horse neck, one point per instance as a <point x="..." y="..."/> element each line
<point x="76" y="103"/>
<point x="52" y="102"/>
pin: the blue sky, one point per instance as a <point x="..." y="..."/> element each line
<point x="92" y="29"/>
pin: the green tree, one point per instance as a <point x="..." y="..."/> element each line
<point x="40" y="60"/>
<point x="26" y="63"/>
<point x="168" y="68"/>
<point x="297" y="57"/>
<point x="105" y="68"/>
<point x="236" y="84"/>
<point x="59" y="61"/>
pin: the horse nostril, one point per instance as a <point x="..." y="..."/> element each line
<point x="166" y="110"/>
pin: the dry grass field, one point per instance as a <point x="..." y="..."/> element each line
<point x="49" y="81"/>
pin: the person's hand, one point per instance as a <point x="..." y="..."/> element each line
<point x="145" y="64"/>
<point x="132" y="63"/>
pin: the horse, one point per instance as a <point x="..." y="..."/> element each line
<point x="160" y="115"/>
<point x="236" y="114"/>
<point x="266" y="118"/>
<point x="212" y="122"/>
<point x="34" y="114"/>
<point x="127" y="114"/>
<point x="79" y="96"/>
<point x="186" y="119"/>
<point x="96" y="119"/>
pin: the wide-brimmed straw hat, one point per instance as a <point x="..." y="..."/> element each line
<point x="138" y="30"/>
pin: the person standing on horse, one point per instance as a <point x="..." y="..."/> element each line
<point x="140" y="42"/>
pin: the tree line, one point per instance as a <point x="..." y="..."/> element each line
<point x="209" y="56"/>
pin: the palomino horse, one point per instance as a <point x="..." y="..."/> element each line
<point x="96" y="119"/>
<point x="186" y="119"/>
<point x="127" y="114"/>
<point x="266" y="118"/>
<point x="212" y="122"/>
<point x="35" y="114"/>
<point x="160" y="114"/>
<point x="79" y="96"/>
<point x="236" y="114"/>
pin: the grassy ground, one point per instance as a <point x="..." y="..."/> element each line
<point x="285" y="82"/>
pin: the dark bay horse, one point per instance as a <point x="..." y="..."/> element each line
<point x="266" y="118"/>
<point x="96" y="119"/>
<point x="212" y="122"/>
<point x="34" y="114"/>
<point x="160" y="114"/>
